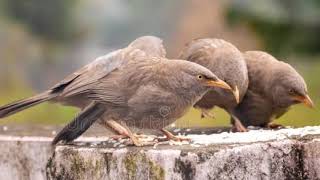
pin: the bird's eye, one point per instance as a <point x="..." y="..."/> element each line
<point x="200" y="76"/>
<point x="291" y="91"/>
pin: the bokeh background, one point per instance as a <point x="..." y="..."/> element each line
<point x="42" y="41"/>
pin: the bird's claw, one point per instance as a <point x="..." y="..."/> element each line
<point x="275" y="126"/>
<point x="118" y="137"/>
<point x="180" y="139"/>
<point x="238" y="127"/>
<point x="138" y="141"/>
<point x="170" y="136"/>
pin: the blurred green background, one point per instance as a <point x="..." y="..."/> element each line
<point x="41" y="41"/>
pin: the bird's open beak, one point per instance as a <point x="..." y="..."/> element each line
<point x="236" y="94"/>
<point x="218" y="83"/>
<point x="306" y="100"/>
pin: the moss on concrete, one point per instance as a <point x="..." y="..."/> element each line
<point x="185" y="168"/>
<point x="135" y="160"/>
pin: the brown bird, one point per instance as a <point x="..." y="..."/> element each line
<point x="127" y="88"/>
<point x="273" y="87"/>
<point x="225" y="61"/>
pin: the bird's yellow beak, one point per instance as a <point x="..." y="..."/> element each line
<point x="306" y="100"/>
<point x="236" y="94"/>
<point x="218" y="83"/>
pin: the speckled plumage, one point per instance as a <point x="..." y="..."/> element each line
<point x="225" y="61"/>
<point x="271" y="84"/>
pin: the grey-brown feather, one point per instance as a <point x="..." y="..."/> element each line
<point x="269" y="80"/>
<point x="151" y="45"/>
<point x="150" y="85"/>
<point x="80" y="123"/>
<point x="225" y="61"/>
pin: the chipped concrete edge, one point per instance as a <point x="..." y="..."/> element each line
<point x="277" y="159"/>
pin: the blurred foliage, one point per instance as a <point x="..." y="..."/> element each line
<point x="285" y="26"/>
<point x="51" y="20"/>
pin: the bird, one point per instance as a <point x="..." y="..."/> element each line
<point x="127" y="88"/>
<point x="274" y="86"/>
<point x="225" y="61"/>
<point x="149" y="93"/>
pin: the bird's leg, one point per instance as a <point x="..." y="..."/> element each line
<point x="206" y="113"/>
<point x="170" y="136"/>
<point x="124" y="132"/>
<point x="118" y="134"/>
<point x="118" y="137"/>
<point x="119" y="131"/>
<point x="274" y="126"/>
<point x="237" y="125"/>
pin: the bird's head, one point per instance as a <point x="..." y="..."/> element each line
<point x="194" y="77"/>
<point x="289" y="87"/>
<point x="151" y="45"/>
<point x="223" y="59"/>
<point x="233" y="70"/>
<point x="208" y="80"/>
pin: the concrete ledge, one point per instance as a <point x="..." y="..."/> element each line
<point x="24" y="157"/>
<point x="258" y="154"/>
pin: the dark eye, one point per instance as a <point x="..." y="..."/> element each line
<point x="291" y="91"/>
<point x="200" y="76"/>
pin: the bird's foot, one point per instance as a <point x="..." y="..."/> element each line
<point x="275" y="126"/>
<point x="136" y="141"/>
<point x="124" y="132"/>
<point x="170" y="136"/>
<point x="206" y="113"/>
<point x="238" y="127"/>
<point x="118" y="137"/>
<point x="142" y="140"/>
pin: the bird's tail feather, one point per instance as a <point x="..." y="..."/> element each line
<point x="18" y="106"/>
<point x="80" y="124"/>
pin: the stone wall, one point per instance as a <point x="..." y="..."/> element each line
<point x="258" y="154"/>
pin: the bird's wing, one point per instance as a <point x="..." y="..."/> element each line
<point x="90" y="73"/>
<point x="83" y="80"/>
<point x="151" y="45"/>
<point x="108" y="90"/>
<point x="152" y="99"/>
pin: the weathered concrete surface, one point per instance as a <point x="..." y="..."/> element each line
<point x="24" y="158"/>
<point x="283" y="154"/>
<point x="258" y="154"/>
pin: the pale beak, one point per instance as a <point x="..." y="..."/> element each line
<point x="219" y="83"/>
<point x="306" y="100"/>
<point x="236" y="94"/>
